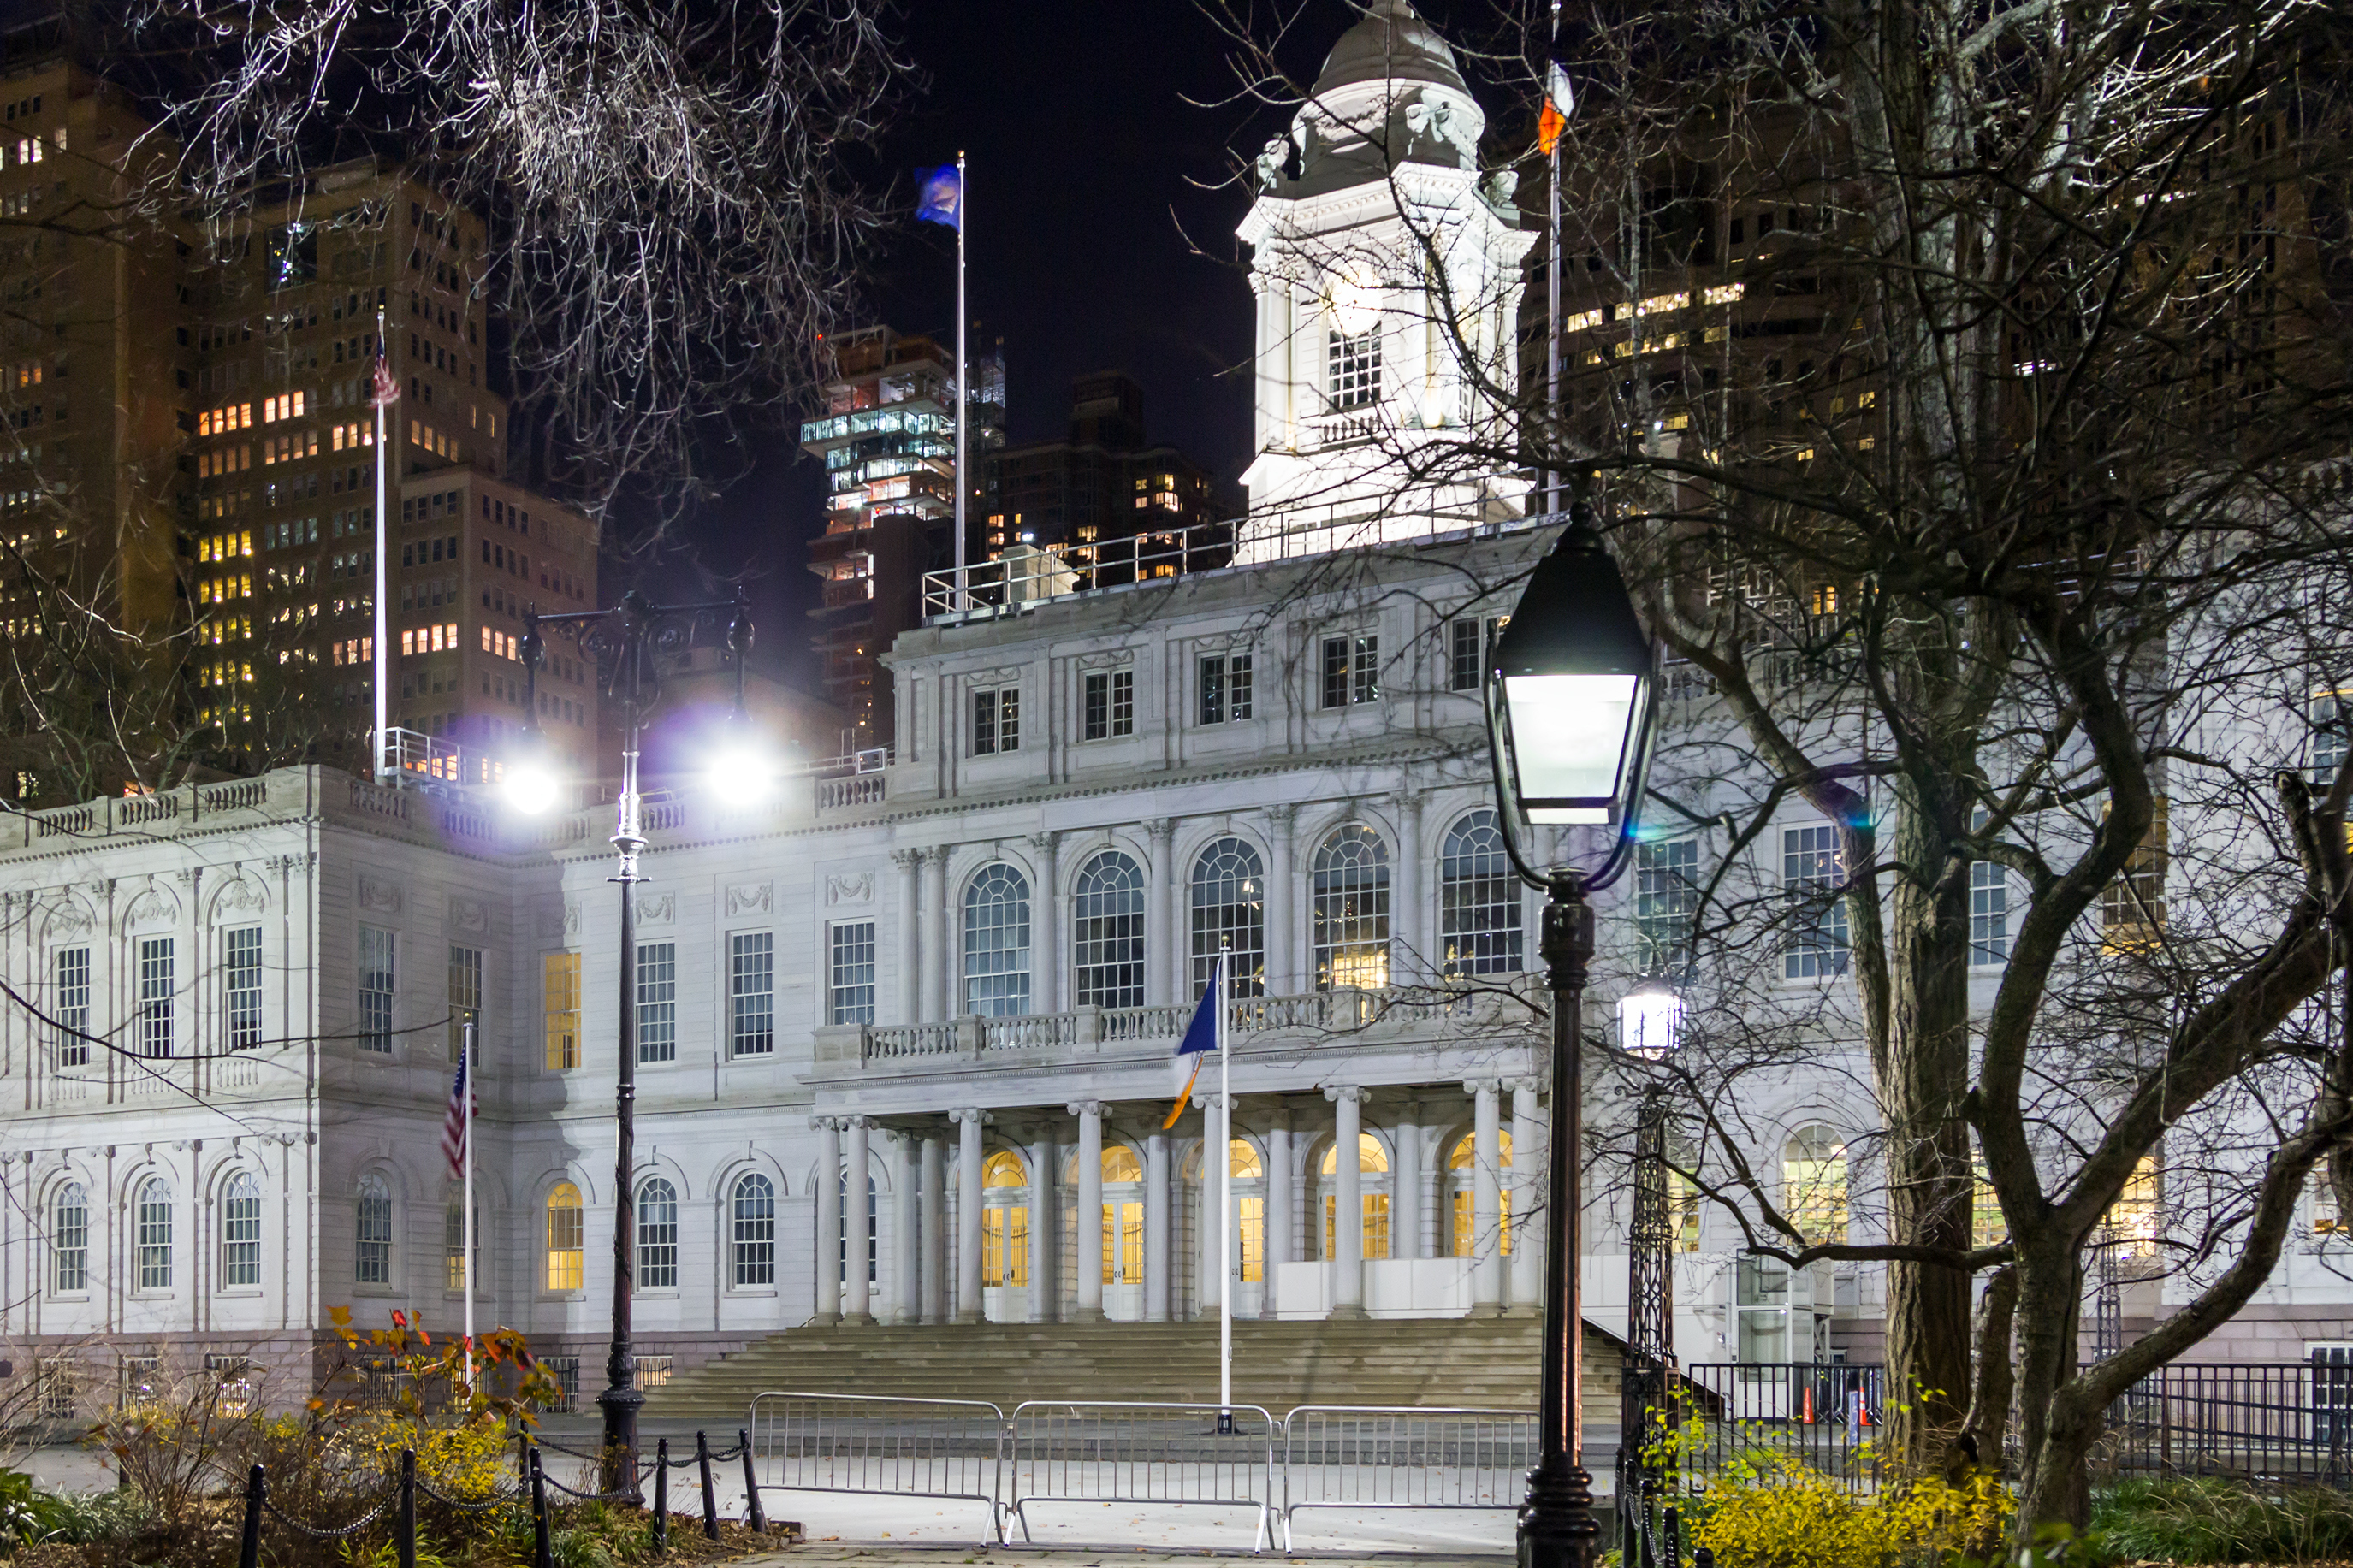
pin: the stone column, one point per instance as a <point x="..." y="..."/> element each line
<point x="968" y="1207"/>
<point x="1212" y="1255"/>
<point x="903" y="1302"/>
<point x="1163" y="941"/>
<point x="939" y="984"/>
<point x="1527" y="1243"/>
<point x="1156" y="1227"/>
<point x="1404" y="1184"/>
<point x="856" y="1292"/>
<point x="828" y="1198"/>
<point x="1282" y="905"/>
<point x="934" y="1301"/>
<point x="1280" y="1206"/>
<point x="1413" y="953"/>
<point x="1486" y="1167"/>
<point x="1049" y="969"/>
<point x="910" y="863"/>
<point x="1045" y="1229"/>
<point x="1090" y="1225"/>
<point x="1348" y="1203"/>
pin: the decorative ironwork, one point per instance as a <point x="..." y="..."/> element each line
<point x="1644" y="1416"/>
<point x="2108" y="1295"/>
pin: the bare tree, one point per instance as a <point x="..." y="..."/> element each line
<point x="1966" y="389"/>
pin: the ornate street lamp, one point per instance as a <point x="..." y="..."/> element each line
<point x="1649" y="1028"/>
<point x="626" y="645"/>
<point x="1570" y="697"/>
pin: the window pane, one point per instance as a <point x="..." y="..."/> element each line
<point x="1230" y="915"/>
<point x="372" y="1262"/>
<point x="1107" y="937"/>
<point x="153" y="1235"/>
<point x="241" y="1231"/>
<point x="241" y="988"/>
<point x="1351" y="909"/>
<point x="465" y="997"/>
<point x="70" y="1239"/>
<point x="1989" y="911"/>
<point x="560" y="995"/>
<point x="752" y="992"/>
<point x="849" y="986"/>
<point x="1353" y="369"/>
<point x="72" y="1008"/>
<point x="1098" y="707"/>
<point x="1336" y="672"/>
<point x="155" y="997"/>
<point x="755" y="1220"/>
<point x="1462" y="656"/>
<point x="996" y="943"/>
<point x="658" y="1236"/>
<point x="375" y="989"/>
<point x="657" y="1002"/>
<point x="566" y="1239"/>
<point x="1237" y="686"/>
<point x="1666" y="894"/>
<point x="1478" y="900"/>
<point x="1213" y="690"/>
<point x="1815" y="943"/>
<point x="1123" y="702"/>
<point x="1365" y="673"/>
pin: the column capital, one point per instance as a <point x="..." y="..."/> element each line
<point x="984" y="1118"/>
<point x="937" y="853"/>
<point x="1047" y="842"/>
<point x="1085" y="1108"/>
<point x="1282" y="814"/>
<point x="1483" y="1085"/>
<point x="828" y="1123"/>
<point x="1206" y="1101"/>
<point x="906" y="859"/>
<point x="1160" y="828"/>
<point x="1336" y="1093"/>
<point x="1525" y="1085"/>
<point x="849" y="1122"/>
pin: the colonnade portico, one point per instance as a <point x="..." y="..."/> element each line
<point x="1026" y="1229"/>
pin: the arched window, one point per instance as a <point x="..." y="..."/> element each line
<point x="849" y="1230"/>
<point x="656" y="1234"/>
<point x="153" y="1239"/>
<point x="1351" y="909"/>
<point x="1003" y="1220"/>
<point x="1122" y="1213"/>
<point x="1478" y="901"/>
<point x="1462" y="1179"/>
<point x="996" y="942"/>
<point x="240" y="1231"/>
<point x="1229" y="916"/>
<point x="1247" y="1250"/>
<point x="70" y="1239"/>
<point x="1107" y="932"/>
<point x="453" y="1240"/>
<point x="1373" y="1165"/>
<point x="755" y="1221"/>
<point x="567" y="1239"/>
<point x="1813" y="1183"/>
<point x="372" y="1262"/>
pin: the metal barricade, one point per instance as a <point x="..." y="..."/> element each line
<point x="952" y="1448"/>
<point x="1375" y="1457"/>
<point x="1114" y="1452"/>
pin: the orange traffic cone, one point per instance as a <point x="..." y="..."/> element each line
<point x="1806" y="1406"/>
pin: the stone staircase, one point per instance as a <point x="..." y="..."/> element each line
<point x="1485" y="1362"/>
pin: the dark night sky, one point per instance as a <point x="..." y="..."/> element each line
<point x="1094" y="244"/>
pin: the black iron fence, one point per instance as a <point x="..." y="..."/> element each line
<point x="2273" y="1421"/>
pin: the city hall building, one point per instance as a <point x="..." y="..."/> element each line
<point x="904" y="1037"/>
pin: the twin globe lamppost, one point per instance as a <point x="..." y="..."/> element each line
<point x="627" y="646"/>
<point x="1570" y="693"/>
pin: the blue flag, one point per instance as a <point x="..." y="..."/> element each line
<point x="1200" y="1038"/>
<point x="939" y="195"/>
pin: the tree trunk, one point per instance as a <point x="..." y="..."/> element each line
<point x="1924" y="1077"/>
<point x="2054" y="1441"/>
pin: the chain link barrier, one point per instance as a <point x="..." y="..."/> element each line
<point x="340" y="1533"/>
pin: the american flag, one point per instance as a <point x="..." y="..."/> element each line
<point x="383" y="391"/>
<point x="460" y="1121"/>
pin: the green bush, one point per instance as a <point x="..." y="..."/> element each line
<point x="2223" y="1521"/>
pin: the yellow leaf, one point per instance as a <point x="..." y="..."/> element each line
<point x="339" y="1316"/>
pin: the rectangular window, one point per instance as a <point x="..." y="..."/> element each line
<point x="1353" y="368"/>
<point x="2132" y="907"/>
<point x="375" y="990"/>
<point x="241" y="1236"/>
<point x="1109" y="704"/>
<point x="72" y="1003"/>
<point x="565" y="1370"/>
<point x="752" y="994"/>
<point x="1224" y="688"/>
<point x="996" y="721"/>
<point x="1666" y="893"/>
<point x="1213" y="689"/>
<point x="560" y="1000"/>
<point x="1352" y="670"/>
<point x="656" y="1001"/>
<point x="1237" y="686"/>
<point x="1812" y="872"/>
<point x="1250" y="1240"/>
<point x="1989" y="911"/>
<point x="155" y="997"/>
<point x="241" y="988"/>
<point x="453" y="1244"/>
<point x="1469" y="637"/>
<point x="849" y="973"/>
<point x="69" y="1242"/>
<point x="2328" y="736"/>
<point x="465" y="999"/>
<point x="1124" y="1259"/>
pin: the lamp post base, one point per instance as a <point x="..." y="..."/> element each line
<point x="1557" y="1528"/>
<point x="618" y="1472"/>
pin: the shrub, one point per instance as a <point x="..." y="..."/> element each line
<point x="2212" y="1521"/>
<point x="1777" y="1512"/>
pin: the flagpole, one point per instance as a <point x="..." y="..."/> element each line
<point x="466" y="1071"/>
<point x="1555" y="500"/>
<point x="383" y="577"/>
<point x="1217" y="982"/>
<point x="962" y="601"/>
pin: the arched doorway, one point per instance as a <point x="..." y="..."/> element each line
<point x="1003" y="1237"/>
<point x="1123" y="1223"/>
<point x="1373" y="1165"/>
